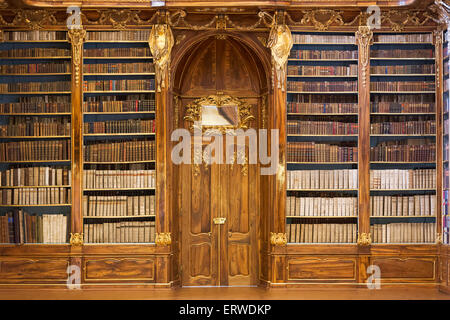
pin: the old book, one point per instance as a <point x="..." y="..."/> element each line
<point x="432" y="205"/>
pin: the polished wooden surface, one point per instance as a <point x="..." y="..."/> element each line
<point x="227" y="293"/>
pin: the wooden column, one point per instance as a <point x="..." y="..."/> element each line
<point x="439" y="80"/>
<point x="163" y="238"/>
<point x="364" y="38"/>
<point x="77" y="37"/>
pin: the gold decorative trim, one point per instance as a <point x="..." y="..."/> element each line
<point x="280" y="43"/>
<point x="438" y="39"/>
<point x="278" y="239"/>
<point x="263" y="111"/>
<point x="176" y="103"/>
<point x="364" y="239"/>
<point x="2" y="36"/>
<point x="163" y="239"/>
<point x="77" y="37"/>
<point x="161" y="42"/>
<point x="364" y="38"/>
<point x="76" y="239"/>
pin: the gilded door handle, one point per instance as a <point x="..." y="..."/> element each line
<point x="219" y="220"/>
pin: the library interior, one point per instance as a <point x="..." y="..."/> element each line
<point x="348" y="102"/>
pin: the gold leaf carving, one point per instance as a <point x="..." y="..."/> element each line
<point x="364" y="37"/>
<point x="163" y="239"/>
<point x="76" y="239"/>
<point x="161" y="42"/>
<point x="278" y="239"/>
<point x="280" y="43"/>
<point x="364" y="239"/>
<point x="77" y="37"/>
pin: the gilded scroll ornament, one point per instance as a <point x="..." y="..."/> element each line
<point x="364" y="239"/>
<point x="161" y="42"/>
<point x="76" y="239"/>
<point x="278" y="239"/>
<point x="77" y="37"/>
<point x="364" y="37"/>
<point x="438" y="43"/>
<point x="280" y="43"/>
<point x="163" y="239"/>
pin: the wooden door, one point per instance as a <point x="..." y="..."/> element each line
<point x="219" y="224"/>
<point x="219" y="254"/>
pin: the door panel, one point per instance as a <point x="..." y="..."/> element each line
<point x="219" y="254"/>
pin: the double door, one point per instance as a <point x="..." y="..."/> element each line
<point x="219" y="205"/>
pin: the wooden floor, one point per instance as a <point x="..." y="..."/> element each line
<point x="224" y="293"/>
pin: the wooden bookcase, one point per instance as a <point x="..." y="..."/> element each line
<point x="123" y="208"/>
<point x="35" y="112"/>
<point x="157" y="262"/>
<point x="317" y="207"/>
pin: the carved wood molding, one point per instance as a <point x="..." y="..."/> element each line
<point x="212" y="19"/>
<point x="364" y="38"/>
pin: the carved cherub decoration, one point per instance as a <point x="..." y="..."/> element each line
<point x="280" y="42"/>
<point x="161" y="42"/>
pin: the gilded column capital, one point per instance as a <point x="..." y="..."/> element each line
<point x="163" y="239"/>
<point x="76" y="239"/>
<point x="77" y="37"/>
<point x="364" y="38"/>
<point x="278" y="239"/>
<point x="364" y="239"/>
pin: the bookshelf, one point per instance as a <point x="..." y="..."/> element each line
<point x="403" y="184"/>
<point x="118" y="138"/>
<point x="322" y="139"/>
<point x="35" y="137"/>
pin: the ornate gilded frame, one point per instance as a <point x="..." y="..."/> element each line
<point x="193" y="113"/>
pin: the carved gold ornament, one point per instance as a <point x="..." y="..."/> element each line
<point x="163" y="239"/>
<point x="278" y="239"/>
<point x="280" y="43"/>
<point x="193" y="113"/>
<point x="225" y="18"/>
<point x="76" y="239"/>
<point x="438" y="43"/>
<point x="364" y="239"/>
<point x="77" y="37"/>
<point x="161" y="42"/>
<point x="439" y="238"/>
<point x="364" y="37"/>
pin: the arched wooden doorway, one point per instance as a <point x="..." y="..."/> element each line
<point x="213" y="252"/>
